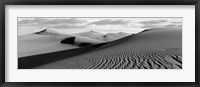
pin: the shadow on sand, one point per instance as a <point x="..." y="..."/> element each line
<point x="37" y="60"/>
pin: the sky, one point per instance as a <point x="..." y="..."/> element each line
<point x="103" y="25"/>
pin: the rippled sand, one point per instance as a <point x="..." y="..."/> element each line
<point x="152" y="49"/>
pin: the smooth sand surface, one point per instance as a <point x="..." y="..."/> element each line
<point x="34" y="44"/>
<point x="151" y="49"/>
<point x="114" y="36"/>
<point x="91" y="34"/>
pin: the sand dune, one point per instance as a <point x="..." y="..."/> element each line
<point x="62" y="36"/>
<point x="92" y="34"/>
<point x="152" y="49"/>
<point x="103" y="37"/>
<point x="37" y="60"/>
<point x="49" y="40"/>
<point x="114" y="36"/>
<point x="85" y="37"/>
<point x="34" y="44"/>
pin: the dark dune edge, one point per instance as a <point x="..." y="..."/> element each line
<point x="152" y="49"/>
<point x="41" y="31"/>
<point x="37" y="60"/>
<point x="71" y="40"/>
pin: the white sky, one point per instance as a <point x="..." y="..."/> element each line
<point x="103" y="25"/>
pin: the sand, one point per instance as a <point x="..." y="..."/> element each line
<point x="34" y="44"/>
<point x="92" y="34"/>
<point x="114" y="36"/>
<point x="103" y="37"/>
<point x="151" y="49"/>
<point x="49" y="40"/>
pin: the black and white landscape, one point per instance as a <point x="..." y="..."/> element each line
<point x="100" y="43"/>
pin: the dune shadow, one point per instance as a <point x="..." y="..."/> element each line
<point x="69" y="40"/>
<point x="42" y="59"/>
<point x="37" y="60"/>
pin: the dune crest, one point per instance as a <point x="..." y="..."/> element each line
<point x="103" y="37"/>
<point x="50" y="40"/>
<point x="91" y="34"/>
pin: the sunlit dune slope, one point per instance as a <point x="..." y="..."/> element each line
<point x="114" y="36"/>
<point x="91" y="34"/>
<point x="34" y="44"/>
<point x="103" y="37"/>
<point x="151" y="49"/>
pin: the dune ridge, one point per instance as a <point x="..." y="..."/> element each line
<point x="50" y="40"/>
<point x="152" y="49"/>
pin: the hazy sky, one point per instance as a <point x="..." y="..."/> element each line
<point x="104" y="25"/>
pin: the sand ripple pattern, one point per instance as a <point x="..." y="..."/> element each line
<point x="170" y="58"/>
<point x="154" y="49"/>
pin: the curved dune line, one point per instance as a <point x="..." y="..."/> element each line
<point x="156" y="49"/>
